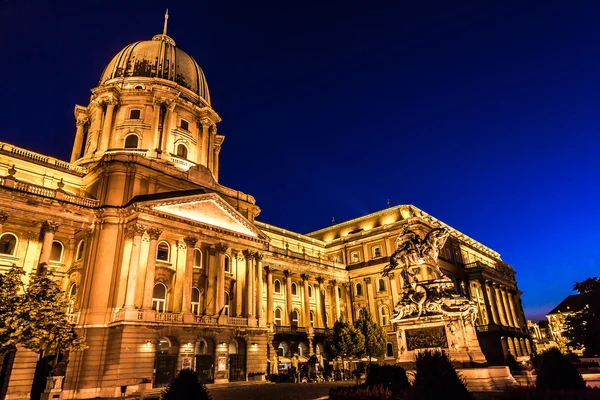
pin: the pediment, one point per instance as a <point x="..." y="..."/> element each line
<point x="209" y="209"/>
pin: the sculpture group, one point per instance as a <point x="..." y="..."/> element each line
<point x="425" y="297"/>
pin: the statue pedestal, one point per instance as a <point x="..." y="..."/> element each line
<point x="453" y="334"/>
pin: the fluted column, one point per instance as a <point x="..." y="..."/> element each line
<point x="190" y="242"/>
<point x="288" y="294"/>
<point x="336" y="294"/>
<point x="322" y="301"/>
<point x="211" y="278"/>
<point x="216" y="162"/>
<point x="507" y="308"/>
<point x="135" y="232"/>
<point x="239" y="301"/>
<point x="94" y="131"/>
<point x="493" y="303"/>
<point x="348" y="297"/>
<point x="249" y="256"/>
<point x="270" y="315"/>
<point x="259" y="284"/>
<point x="513" y="309"/>
<point x="306" y="300"/>
<point x="78" y="143"/>
<point x="221" y="248"/>
<point x="154" y="234"/>
<point x="108" y="118"/>
<point x="156" y="124"/>
<point x="501" y="313"/>
<point x="204" y="146"/>
<point x="49" y="228"/>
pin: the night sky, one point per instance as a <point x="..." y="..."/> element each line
<point x="484" y="114"/>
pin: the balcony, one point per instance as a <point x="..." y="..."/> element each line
<point x="290" y="329"/>
<point x="172" y="318"/>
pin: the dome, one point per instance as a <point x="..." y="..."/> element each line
<point x="158" y="58"/>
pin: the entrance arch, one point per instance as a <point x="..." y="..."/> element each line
<point x="237" y="360"/>
<point x="165" y="361"/>
<point x="205" y="360"/>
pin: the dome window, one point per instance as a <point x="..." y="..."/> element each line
<point x="135" y="114"/>
<point x="182" y="151"/>
<point x="185" y="125"/>
<point x="139" y="87"/>
<point x="131" y="141"/>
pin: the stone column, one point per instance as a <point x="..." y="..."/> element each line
<point x="494" y="303"/>
<point x="78" y="143"/>
<point x="288" y="294"/>
<point x="501" y="313"/>
<point x="156" y="124"/>
<point x="306" y="300"/>
<point x="509" y="314"/>
<point x="270" y="314"/>
<point x="336" y="294"/>
<point x="204" y="146"/>
<point x="259" y="284"/>
<point x="135" y="232"/>
<point x="216" y="162"/>
<point x="488" y="309"/>
<point x="166" y="131"/>
<point x="94" y="130"/>
<point x="322" y="301"/>
<point x="249" y="256"/>
<point x="239" y="301"/>
<point x="211" y="141"/>
<point x="154" y="234"/>
<point x="3" y="218"/>
<point x="513" y="309"/>
<point x="348" y="297"/>
<point x="371" y="298"/>
<point x="394" y="288"/>
<point x="221" y="248"/>
<point x="190" y="242"/>
<point x="108" y="119"/>
<point x="211" y="280"/>
<point x="49" y="228"/>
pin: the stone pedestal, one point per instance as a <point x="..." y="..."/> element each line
<point x="53" y="388"/>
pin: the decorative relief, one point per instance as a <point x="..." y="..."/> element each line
<point x="287" y="273"/>
<point x="154" y="233"/>
<point x="3" y="217"/>
<point x="135" y="230"/>
<point x="258" y="256"/>
<point x="190" y="241"/>
<point x="426" y="338"/>
<point x="304" y="277"/>
<point x="368" y="280"/>
<point x="221" y="247"/>
<point x="50" y="226"/>
<point x="320" y="279"/>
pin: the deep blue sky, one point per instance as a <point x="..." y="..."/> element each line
<point x="482" y="113"/>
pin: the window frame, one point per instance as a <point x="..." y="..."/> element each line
<point x="62" y="252"/>
<point x="195" y="305"/>
<point x="356" y="286"/>
<point x="275" y="282"/>
<point x="280" y="319"/>
<point x="198" y="251"/>
<point x="168" y="260"/>
<point x="379" y="287"/>
<point x="352" y="258"/>
<point x="130" y="134"/>
<point x="373" y="252"/>
<point x="294" y="289"/>
<point x="187" y="151"/>
<point x="187" y="123"/>
<point x="79" y="250"/>
<point x="14" y="253"/>
<point x="131" y="110"/>
<point x="157" y="308"/>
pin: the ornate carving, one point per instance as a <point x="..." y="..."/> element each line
<point x="135" y="230"/>
<point x="190" y="241"/>
<point x="213" y="129"/>
<point x="81" y="121"/>
<point x="212" y="251"/>
<point x="111" y="101"/>
<point x="368" y="280"/>
<point x="154" y="233"/>
<point x="258" y="256"/>
<point x="221" y="247"/>
<point x="268" y="269"/>
<point x="248" y="254"/>
<point x="3" y="216"/>
<point x="50" y="226"/>
<point x="287" y="273"/>
<point x="305" y="277"/>
<point x="425" y="338"/>
<point x="333" y="283"/>
<point x="391" y="275"/>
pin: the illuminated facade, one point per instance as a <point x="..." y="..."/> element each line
<point x="168" y="269"/>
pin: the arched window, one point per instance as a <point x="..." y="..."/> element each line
<point x="226" y="304"/>
<point x="79" y="252"/>
<point x="278" y="314"/>
<point x="359" y="312"/>
<point x="197" y="258"/>
<point x="71" y="297"/>
<point x="294" y="289"/>
<point x="312" y="319"/>
<point x="381" y="285"/>
<point x="162" y="251"/>
<point x="159" y="297"/>
<point x="294" y="318"/>
<point x="384" y="316"/>
<point x="302" y="349"/>
<point x="56" y="252"/>
<point x="182" y="151"/>
<point x="227" y="265"/>
<point x="8" y="244"/>
<point x="359" y="289"/>
<point x="233" y="347"/>
<point x="310" y="291"/>
<point x="389" y="350"/>
<point x="277" y="286"/>
<point x="195" y="301"/>
<point x="282" y="349"/>
<point x="131" y="141"/>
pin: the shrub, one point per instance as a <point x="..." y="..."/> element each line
<point x="185" y="386"/>
<point x="436" y="378"/>
<point x="392" y="377"/>
<point x="359" y="392"/>
<point x="557" y="373"/>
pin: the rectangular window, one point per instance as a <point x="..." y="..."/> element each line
<point x="376" y="252"/>
<point x="135" y="114"/>
<point x="185" y="125"/>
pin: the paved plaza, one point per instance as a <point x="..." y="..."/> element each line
<point x="264" y="391"/>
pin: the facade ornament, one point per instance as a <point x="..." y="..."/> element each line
<point x="368" y="280"/>
<point x="320" y="279"/>
<point x="268" y="269"/>
<point x="213" y="129"/>
<point x="12" y="171"/>
<point x="212" y="251"/>
<point x="135" y="230"/>
<point x="221" y="247"/>
<point x="31" y="235"/>
<point x="3" y="217"/>
<point x="50" y="226"/>
<point x="258" y="256"/>
<point x="287" y="273"/>
<point x="391" y="275"/>
<point x="88" y="232"/>
<point x="190" y="241"/>
<point x="304" y="277"/>
<point x="81" y="121"/>
<point x="333" y="282"/>
<point x="154" y="233"/>
<point x="346" y="285"/>
<point x="248" y="254"/>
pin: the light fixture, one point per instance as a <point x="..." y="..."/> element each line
<point x="223" y="343"/>
<point x="148" y="343"/>
<point x="254" y="344"/>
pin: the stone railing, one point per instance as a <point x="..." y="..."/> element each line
<point x="40" y="158"/>
<point x="47" y="192"/>
<point x="236" y="321"/>
<point x="205" y="320"/>
<point x="168" y="317"/>
<point x="74" y="317"/>
<point x="178" y="318"/>
<point x="137" y="152"/>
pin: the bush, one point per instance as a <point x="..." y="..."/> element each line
<point x="532" y="393"/>
<point x="436" y="378"/>
<point x="185" y="386"/>
<point x="392" y="377"/>
<point x="557" y="373"/>
<point x="360" y="392"/>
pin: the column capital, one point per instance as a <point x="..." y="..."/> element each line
<point x="333" y="282"/>
<point x="88" y="232"/>
<point x="221" y="247"/>
<point x="154" y="233"/>
<point x="268" y="269"/>
<point x="3" y="216"/>
<point x="80" y="121"/>
<point x="346" y="285"/>
<point x="258" y="256"/>
<point x="368" y="280"/>
<point x="320" y="279"/>
<point x="111" y="101"/>
<point x="391" y="275"/>
<point x="190" y="241"/>
<point x="135" y="230"/>
<point x="305" y="277"/>
<point x="205" y="122"/>
<point x="248" y="254"/>
<point x="287" y="273"/>
<point x="51" y="226"/>
<point x="212" y="251"/>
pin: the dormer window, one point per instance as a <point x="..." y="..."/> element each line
<point x="184" y="125"/>
<point x="135" y="114"/>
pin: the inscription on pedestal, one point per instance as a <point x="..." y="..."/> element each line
<point x="424" y="338"/>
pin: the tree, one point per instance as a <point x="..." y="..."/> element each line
<point x="345" y="341"/>
<point x="11" y="291"/>
<point x="583" y="327"/>
<point x="374" y="334"/>
<point x="436" y="378"/>
<point x="556" y="372"/>
<point x="185" y="386"/>
<point x="39" y="318"/>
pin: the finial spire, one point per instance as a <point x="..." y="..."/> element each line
<point x="166" y="20"/>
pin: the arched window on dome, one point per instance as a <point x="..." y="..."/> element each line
<point x="131" y="141"/>
<point x="8" y="244"/>
<point x="182" y="151"/>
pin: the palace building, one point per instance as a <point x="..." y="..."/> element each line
<point x="168" y="269"/>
